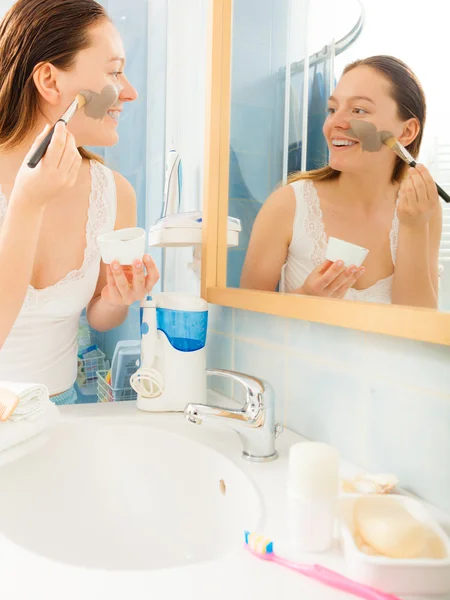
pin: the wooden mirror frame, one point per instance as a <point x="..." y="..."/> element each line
<point x="401" y="321"/>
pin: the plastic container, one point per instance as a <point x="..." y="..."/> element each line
<point x="351" y="254"/>
<point x="124" y="362"/>
<point x="404" y="577"/>
<point x="184" y="322"/>
<point x="123" y="245"/>
<point x="312" y="492"/>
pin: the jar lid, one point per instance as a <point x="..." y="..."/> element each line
<point x="313" y="470"/>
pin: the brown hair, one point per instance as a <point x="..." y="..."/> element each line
<point x="31" y="33"/>
<point x="410" y="98"/>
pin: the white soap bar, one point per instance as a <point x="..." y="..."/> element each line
<point x="385" y="525"/>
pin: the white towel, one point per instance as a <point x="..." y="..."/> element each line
<point x="32" y="398"/>
<point x="34" y="413"/>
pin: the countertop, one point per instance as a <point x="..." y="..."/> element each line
<point x="25" y="576"/>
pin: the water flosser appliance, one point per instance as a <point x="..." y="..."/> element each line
<point x="175" y="229"/>
<point x="172" y="372"/>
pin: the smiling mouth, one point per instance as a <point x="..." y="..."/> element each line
<point x="343" y="143"/>
<point x="114" y="114"/>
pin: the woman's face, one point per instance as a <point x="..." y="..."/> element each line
<point x="100" y="65"/>
<point x="361" y="94"/>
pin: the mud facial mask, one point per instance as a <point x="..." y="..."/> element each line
<point x="370" y="138"/>
<point x="98" y="104"/>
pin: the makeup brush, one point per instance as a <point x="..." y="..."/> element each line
<point x="96" y="106"/>
<point x="392" y="142"/>
<point x="373" y="140"/>
<point x="79" y="102"/>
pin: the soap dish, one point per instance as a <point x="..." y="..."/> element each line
<point x="403" y="577"/>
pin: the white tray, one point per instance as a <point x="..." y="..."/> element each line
<point x="407" y="577"/>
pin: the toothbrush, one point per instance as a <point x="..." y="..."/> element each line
<point x="8" y="403"/>
<point x="263" y="548"/>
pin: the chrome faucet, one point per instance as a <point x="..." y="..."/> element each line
<point x="254" y="423"/>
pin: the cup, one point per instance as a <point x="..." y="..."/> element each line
<point x="351" y="254"/>
<point x="123" y="245"/>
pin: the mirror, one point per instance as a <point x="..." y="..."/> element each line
<point x="284" y="67"/>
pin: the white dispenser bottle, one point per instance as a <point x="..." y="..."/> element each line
<point x="313" y="485"/>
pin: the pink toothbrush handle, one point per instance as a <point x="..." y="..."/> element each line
<point x="337" y="581"/>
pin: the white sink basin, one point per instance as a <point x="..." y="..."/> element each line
<point x="125" y="496"/>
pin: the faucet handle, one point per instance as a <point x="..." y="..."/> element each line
<point x="256" y="389"/>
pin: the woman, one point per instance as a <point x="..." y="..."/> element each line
<point x="50" y="266"/>
<point x="372" y="199"/>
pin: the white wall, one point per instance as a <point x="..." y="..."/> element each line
<point x="186" y="89"/>
<point x="185" y="119"/>
<point x="4" y="6"/>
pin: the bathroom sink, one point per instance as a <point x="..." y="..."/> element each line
<point x="103" y="494"/>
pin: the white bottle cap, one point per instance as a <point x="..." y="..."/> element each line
<point x="313" y="470"/>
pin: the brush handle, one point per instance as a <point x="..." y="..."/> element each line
<point x="336" y="580"/>
<point x="442" y="193"/>
<point x="42" y="148"/>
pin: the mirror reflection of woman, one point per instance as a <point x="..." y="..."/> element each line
<point x="372" y="199"/>
<point x="50" y="216"/>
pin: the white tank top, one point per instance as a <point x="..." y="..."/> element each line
<point x="42" y="345"/>
<point x="309" y="244"/>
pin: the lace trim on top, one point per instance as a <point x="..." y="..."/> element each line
<point x="314" y="226"/>
<point x="315" y="229"/>
<point x="393" y="234"/>
<point x="96" y="219"/>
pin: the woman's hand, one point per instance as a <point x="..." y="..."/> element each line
<point x="418" y="198"/>
<point x="57" y="170"/>
<point x="126" y="285"/>
<point x="330" y="280"/>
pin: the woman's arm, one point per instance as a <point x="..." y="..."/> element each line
<point x="269" y="241"/>
<point x="416" y="274"/>
<point x="269" y="247"/>
<point x="18" y="244"/>
<point x="118" y="287"/>
<point x="19" y="235"/>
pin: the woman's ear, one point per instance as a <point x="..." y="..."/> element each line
<point x="411" y="130"/>
<point x="45" y="78"/>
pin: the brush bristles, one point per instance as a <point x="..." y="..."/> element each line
<point x="81" y="100"/>
<point x="258" y="543"/>
<point x="390" y="142"/>
<point x="393" y="143"/>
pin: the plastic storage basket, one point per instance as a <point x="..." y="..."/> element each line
<point x="87" y="372"/>
<point x="106" y="393"/>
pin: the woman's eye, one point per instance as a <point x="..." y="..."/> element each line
<point x="116" y="74"/>
<point x="331" y="110"/>
<point x="360" y="111"/>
